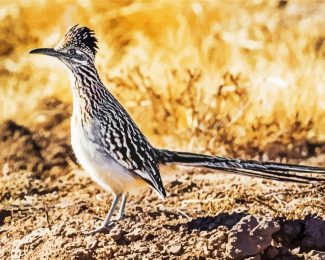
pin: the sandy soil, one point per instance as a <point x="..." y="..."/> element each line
<point x="48" y="203"/>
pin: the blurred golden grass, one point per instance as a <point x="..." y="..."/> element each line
<point x="195" y="75"/>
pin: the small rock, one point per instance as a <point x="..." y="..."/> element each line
<point x="295" y="250"/>
<point x="70" y="232"/>
<point x="175" y="250"/>
<point x="142" y="249"/>
<point x="191" y="241"/>
<point x="250" y="236"/>
<point x="116" y="234"/>
<point x="114" y="248"/>
<point x="91" y="243"/>
<point x="134" y="235"/>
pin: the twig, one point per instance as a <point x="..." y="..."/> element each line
<point x="48" y="218"/>
<point x="264" y="204"/>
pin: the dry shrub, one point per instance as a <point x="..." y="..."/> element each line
<point x="214" y="76"/>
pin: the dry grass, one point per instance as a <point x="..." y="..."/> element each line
<point x="216" y="76"/>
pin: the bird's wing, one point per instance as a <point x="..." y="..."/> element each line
<point x="129" y="147"/>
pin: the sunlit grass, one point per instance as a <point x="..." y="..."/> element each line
<point x="212" y="76"/>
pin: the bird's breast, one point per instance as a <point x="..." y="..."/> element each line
<point x="103" y="169"/>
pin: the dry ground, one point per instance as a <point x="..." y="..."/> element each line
<point x="48" y="204"/>
<point x="234" y="78"/>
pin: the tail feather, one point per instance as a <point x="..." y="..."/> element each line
<point x="261" y="175"/>
<point x="266" y="170"/>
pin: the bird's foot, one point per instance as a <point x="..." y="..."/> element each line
<point x="102" y="229"/>
<point x="118" y="218"/>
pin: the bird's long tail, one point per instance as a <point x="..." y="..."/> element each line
<point x="266" y="170"/>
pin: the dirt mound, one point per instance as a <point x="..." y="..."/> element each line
<point x="48" y="204"/>
<point x="40" y="147"/>
<point x="16" y="142"/>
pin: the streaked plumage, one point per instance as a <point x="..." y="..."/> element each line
<point x="109" y="127"/>
<point x="112" y="149"/>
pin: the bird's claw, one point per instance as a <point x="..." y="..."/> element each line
<point x="101" y="229"/>
<point x="104" y="229"/>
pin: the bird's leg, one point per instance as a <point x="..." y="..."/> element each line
<point x="111" y="210"/>
<point x="121" y="211"/>
<point x="105" y="226"/>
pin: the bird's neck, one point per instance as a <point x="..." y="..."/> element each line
<point x="85" y="77"/>
<point x="86" y="85"/>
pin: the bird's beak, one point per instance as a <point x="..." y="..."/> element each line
<point x="46" y="51"/>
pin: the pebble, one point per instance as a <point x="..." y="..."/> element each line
<point x="135" y="235"/>
<point x="143" y="249"/>
<point x="116" y="234"/>
<point x="91" y="243"/>
<point x="175" y="250"/>
<point x="70" y="232"/>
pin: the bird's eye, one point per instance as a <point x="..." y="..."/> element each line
<point x="72" y="51"/>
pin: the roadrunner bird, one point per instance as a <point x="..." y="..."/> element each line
<point x="112" y="149"/>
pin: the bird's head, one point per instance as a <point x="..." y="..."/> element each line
<point x="78" y="47"/>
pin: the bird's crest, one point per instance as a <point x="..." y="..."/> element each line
<point x="82" y="38"/>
